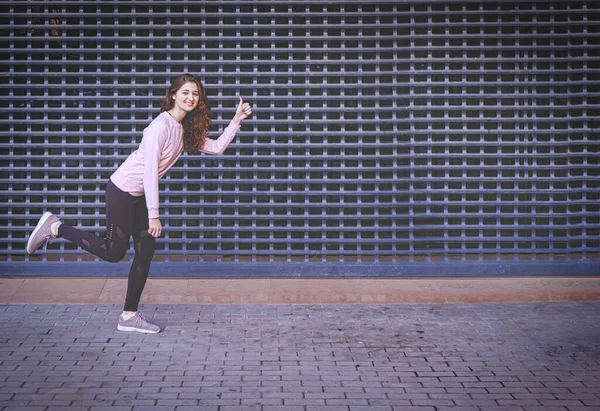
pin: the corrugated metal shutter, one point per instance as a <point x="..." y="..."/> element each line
<point x="389" y="138"/>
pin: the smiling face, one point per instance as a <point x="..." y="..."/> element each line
<point x="187" y="97"/>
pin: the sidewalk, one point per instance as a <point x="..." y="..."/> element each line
<point x="302" y="290"/>
<point x="515" y="356"/>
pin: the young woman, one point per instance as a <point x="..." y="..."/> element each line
<point x="132" y="192"/>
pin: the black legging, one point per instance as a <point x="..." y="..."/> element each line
<point x="126" y="215"/>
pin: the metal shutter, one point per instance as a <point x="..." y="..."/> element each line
<point x="388" y="138"/>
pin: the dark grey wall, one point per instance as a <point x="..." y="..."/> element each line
<point x="391" y="138"/>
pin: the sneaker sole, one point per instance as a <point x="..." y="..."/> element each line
<point x="139" y="330"/>
<point x="40" y="224"/>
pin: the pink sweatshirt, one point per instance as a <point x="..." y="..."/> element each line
<point x="160" y="148"/>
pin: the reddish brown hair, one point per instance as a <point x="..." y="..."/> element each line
<point x="195" y="123"/>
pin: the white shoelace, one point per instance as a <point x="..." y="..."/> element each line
<point x="140" y="318"/>
<point x="48" y="239"/>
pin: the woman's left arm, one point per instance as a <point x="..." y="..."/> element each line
<point x="219" y="145"/>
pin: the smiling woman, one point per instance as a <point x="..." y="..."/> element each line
<point x="132" y="196"/>
<point x="186" y="102"/>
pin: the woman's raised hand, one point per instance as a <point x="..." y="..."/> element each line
<point x="243" y="111"/>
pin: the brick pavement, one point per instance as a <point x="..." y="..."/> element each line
<point x="524" y="356"/>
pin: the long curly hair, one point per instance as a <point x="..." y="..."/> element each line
<point x="196" y="122"/>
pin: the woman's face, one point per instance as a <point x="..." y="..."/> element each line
<point x="187" y="97"/>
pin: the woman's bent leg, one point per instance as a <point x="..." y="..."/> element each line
<point x="120" y="211"/>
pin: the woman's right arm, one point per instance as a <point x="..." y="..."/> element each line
<point x="153" y="141"/>
<point x="219" y="145"/>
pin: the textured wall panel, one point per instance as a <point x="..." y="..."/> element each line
<point x="393" y="138"/>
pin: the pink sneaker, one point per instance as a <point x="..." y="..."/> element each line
<point x="42" y="233"/>
<point x="137" y="323"/>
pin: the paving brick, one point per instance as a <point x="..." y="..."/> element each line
<point x="63" y="408"/>
<point x="157" y="408"/>
<point x="591" y="402"/>
<point x="453" y="408"/>
<point x="433" y="403"/>
<point x="135" y="403"/>
<point x="262" y="401"/>
<point x="178" y="403"/>
<point x="303" y="402"/>
<point x="565" y="403"/>
<point x="546" y="408"/>
<point x="46" y="403"/>
<point x="519" y="403"/>
<point x="22" y="408"/>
